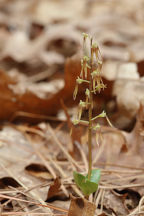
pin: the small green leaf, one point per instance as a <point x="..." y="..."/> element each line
<point x="79" y="178"/>
<point x="95" y="175"/>
<point x="87" y="186"/>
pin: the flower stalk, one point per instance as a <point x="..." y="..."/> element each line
<point x="90" y="117"/>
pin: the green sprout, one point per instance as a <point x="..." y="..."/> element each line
<point x="90" y="73"/>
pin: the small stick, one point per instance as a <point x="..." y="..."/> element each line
<point x="38" y="204"/>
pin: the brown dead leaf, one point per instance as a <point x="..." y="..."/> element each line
<point x="5" y="182"/>
<point x="55" y="193"/>
<point x="113" y="204"/>
<point x="54" y="188"/>
<point x="129" y="197"/>
<point x="38" y="170"/>
<point x="81" y="207"/>
<point x="29" y="102"/>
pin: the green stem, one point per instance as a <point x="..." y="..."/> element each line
<point x="90" y="118"/>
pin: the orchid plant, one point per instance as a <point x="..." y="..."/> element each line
<point x="90" y="74"/>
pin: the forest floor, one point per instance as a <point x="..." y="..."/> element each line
<point x="40" y="55"/>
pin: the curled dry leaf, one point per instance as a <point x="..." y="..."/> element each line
<point x="81" y="207"/>
<point x="38" y="170"/>
<point x="55" y="193"/>
<point x="5" y="182"/>
<point x="54" y="188"/>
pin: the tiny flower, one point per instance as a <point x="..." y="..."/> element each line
<point x="86" y="58"/>
<point x="85" y="65"/>
<point x="82" y="105"/>
<point x="75" y="122"/>
<point x="94" y="46"/>
<point x="103" y="86"/>
<point x="96" y="79"/>
<point x="95" y="49"/>
<point x="87" y="93"/>
<point x="85" y="36"/>
<point x="95" y="73"/>
<point x="99" y="86"/>
<point x="103" y="114"/>
<point x="79" y="81"/>
<point x="100" y="83"/>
